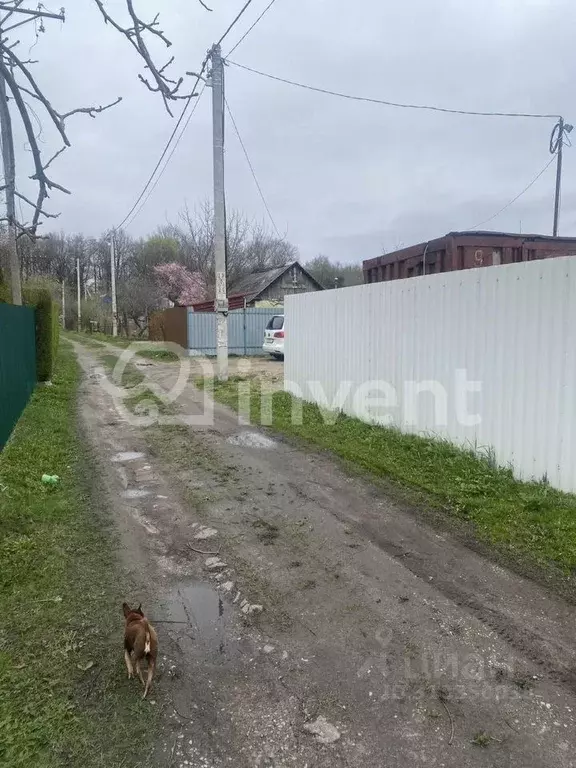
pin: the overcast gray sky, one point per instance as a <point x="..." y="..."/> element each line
<point x="342" y="178"/>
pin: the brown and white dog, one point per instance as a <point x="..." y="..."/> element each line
<point x="141" y="640"/>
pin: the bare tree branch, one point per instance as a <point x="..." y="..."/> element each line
<point x="92" y="111"/>
<point x="159" y="82"/>
<point x="15" y="7"/>
<point x="54" y="156"/>
<point x="44" y="183"/>
<point x="42" y="213"/>
<point x="134" y="35"/>
<point x="56" y="119"/>
<point x="161" y="70"/>
<point x="39" y="175"/>
<point x="38" y="13"/>
<point x="18" y="79"/>
<point x="29" y="231"/>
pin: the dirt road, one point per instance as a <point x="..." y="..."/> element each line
<point x="324" y="626"/>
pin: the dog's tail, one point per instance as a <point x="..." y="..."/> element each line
<point x="147" y="642"/>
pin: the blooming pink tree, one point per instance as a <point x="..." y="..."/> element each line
<point x="179" y="285"/>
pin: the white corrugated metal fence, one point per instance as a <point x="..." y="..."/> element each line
<point x="483" y="357"/>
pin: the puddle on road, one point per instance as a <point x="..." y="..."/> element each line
<point x="203" y="610"/>
<point x="127" y="456"/>
<point x="252" y="440"/>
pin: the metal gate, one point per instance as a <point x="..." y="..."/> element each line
<point x="245" y="330"/>
<point x="17" y="364"/>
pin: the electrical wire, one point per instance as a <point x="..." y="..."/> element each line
<point x="258" y="187"/>
<point x="534" y="180"/>
<point x="180" y="119"/>
<point x="178" y="140"/>
<point x="166" y="148"/>
<point x="245" y="35"/>
<point x="559" y="136"/>
<point x="389" y="103"/>
<point x="233" y="24"/>
<point x="556" y="138"/>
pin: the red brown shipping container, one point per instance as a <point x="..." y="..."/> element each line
<point x="465" y="250"/>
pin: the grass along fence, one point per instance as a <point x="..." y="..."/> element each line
<point x="529" y="525"/>
<point x="63" y="702"/>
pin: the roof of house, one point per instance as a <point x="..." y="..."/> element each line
<point x="252" y="285"/>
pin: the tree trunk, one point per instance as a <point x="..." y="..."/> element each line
<point x="10" y="189"/>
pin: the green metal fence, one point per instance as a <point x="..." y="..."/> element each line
<point x="17" y="364"/>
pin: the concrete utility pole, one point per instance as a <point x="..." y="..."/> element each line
<point x="63" y="305"/>
<point x="556" y="146"/>
<point x="79" y="295"/>
<point x="10" y="191"/>
<point x="221" y="303"/>
<point x="113" y="281"/>
<point x="558" y="176"/>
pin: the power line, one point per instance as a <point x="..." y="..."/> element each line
<point x="166" y="148"/>
<point x="233" y="24"/>
<point x="259" y="188"/>
<point x="389" y="103"/>
<point x="178" y="140"/>
<point x="264" y="12"/>
<point x="534" y="180"/>
<point x="180" y="119"/>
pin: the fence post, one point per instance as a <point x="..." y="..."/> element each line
<point x="244" y="328"/>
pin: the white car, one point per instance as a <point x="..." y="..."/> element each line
<point x="274" y="337"/>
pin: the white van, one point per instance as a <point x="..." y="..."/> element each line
<point x="274" y="337"/>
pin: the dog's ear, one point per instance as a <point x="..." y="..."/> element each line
<point x="139" y="610"/>
<point x="125" y="609"/>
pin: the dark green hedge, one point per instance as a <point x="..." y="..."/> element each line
<point x="47" y="329"/>
<point x="47" y="326"/>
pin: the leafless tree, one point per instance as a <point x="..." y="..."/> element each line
<point x="137" y="298"/>
<point x="189" y="242"/>
<point x="17" y="82"/>
<point x="249" y="246"/>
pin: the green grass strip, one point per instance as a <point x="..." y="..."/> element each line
<point x="533" y="522"/>
<point x="64" y="698"/>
